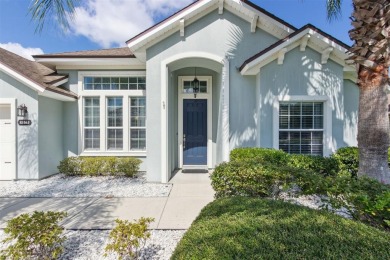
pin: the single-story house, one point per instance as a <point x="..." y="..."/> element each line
<point x="217" y="75"/>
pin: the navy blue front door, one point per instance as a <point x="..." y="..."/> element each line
<point x="195" y="131"/>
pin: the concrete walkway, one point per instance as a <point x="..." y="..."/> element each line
<point x="189" y="194"/>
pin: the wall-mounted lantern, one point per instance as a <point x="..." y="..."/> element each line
<point x="195" y="85"/>
<point x="22" y="110"/>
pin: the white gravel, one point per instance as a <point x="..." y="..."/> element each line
<point x="314" y="202"/>
<point x="85" y="245"/>
<point x="92" y="187"/>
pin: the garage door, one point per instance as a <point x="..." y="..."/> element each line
<point x="7" y="141"/>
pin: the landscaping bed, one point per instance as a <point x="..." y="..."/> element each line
<point x="91" y="244"/>
<point x="91" y="187"/>
<point x="255" y="228"/>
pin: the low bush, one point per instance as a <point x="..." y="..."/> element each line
<point x="99" y="166"/>
<point x="366" y="199"/>
<point x="250" y="178"/>
<point x="261" y="155"/>
<point x="37" y="236"/>
<point x="327" y="166"/>
<point x="255" y="228"/>
<point x="128" y="238"/>
<point x="319" y="164"/>
<point x="348" y="160"/>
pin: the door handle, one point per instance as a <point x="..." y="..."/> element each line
<point x="184" y="141"/>
<point x="7" y="162"/>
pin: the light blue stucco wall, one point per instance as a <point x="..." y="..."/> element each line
<point x="303" y="74"/>
<point x="225" y="36"/>
<point x="27" y="136"/>
<point x="50" y="135"/>
<point x="351" y="107"/>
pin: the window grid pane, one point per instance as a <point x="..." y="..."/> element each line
<point x="115" y="83"/>
<point x="137" y="123"/>
<point x="91" y="123"/>
<point x="301" y="127"/>
<point x="114" y="123"/>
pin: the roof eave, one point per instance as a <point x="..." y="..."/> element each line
<point x="250" y="64"/>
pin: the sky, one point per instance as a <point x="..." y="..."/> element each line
<point x="109" y="23"/>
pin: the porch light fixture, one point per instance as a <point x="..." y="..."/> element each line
<point x="195" y="85"/>
<point x="22" y="110"/>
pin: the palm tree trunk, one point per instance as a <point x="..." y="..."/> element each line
<point x="373" y="125"/>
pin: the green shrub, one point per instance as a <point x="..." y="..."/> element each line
<point x="261" y="155"/>
<point x="254" y="228"/>
<point x="128" y="238"/>
<point x="348" y="160"/>
<point x="70" y="166"/>
<point x="99" y="166"/>
<point x="250" y="178"/>
<point x="366" y="199"/>
<point x="318" y="164"/>
<point x="34" y="236"/>
<point x="327" y="166"/>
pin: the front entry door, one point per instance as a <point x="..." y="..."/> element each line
<point x="7" y="143"/>
<point x="195" y="131"/>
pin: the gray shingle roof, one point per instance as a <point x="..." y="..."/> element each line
<point x="104" y="53"/>
<point x="38" y="73"/>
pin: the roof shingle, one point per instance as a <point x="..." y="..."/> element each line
<point x="104" y="53"/>
<point x="38" y="73"/>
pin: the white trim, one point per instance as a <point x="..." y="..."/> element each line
<point x="12" y="102"/>
<point x="57" y="96"/>
<point x="225" y="110"/>
<point x="21" y="78"/>
<point x="103" y="95"/>
<point x="305" y="39"/>
<point x="254" y="23"/>
<point x="59" y="83"/>
<point x="208" y="97"/>
<point x="200" y="9"/>
<point x="164" y="109"/>
<point x="181" y="23"/>
<point x="220" y="6"/>
<point x="325" y="55"/>
<point x="338" y="52"/>
<point x="328" y="147"/>
<point x="281" y="55"/>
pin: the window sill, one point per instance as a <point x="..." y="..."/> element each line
<point x="114" y="153"/>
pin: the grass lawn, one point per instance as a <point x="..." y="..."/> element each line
<point x="253" y="228"/>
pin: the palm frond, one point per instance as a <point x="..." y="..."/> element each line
<point x="333" y="9"/>
<point x="42" y="11"/>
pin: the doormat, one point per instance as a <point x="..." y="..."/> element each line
<point x="195" y="171"/>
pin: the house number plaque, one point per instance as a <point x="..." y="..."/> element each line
<point x="24" y="122"/>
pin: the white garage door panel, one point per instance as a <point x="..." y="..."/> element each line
<point x="7" y="140"/>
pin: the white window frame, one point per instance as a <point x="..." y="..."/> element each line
<point x="136" y="127"/>
<point x="90" y="127"/>
<point x="328" y="143"/>
<point x="103" y="95"/>
<point x="209" y="98"/>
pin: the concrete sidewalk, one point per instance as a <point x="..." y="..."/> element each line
<point x="189" y="194"/>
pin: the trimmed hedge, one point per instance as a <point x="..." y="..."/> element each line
<point x="323" y="165"/>
<point x="99" y="166"/>
<point x="250" y="173"/>
<point x="254" y="228"/>
<point x="249" y="178"/>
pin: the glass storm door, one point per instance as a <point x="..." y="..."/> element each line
<point x="195" y="131"/>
